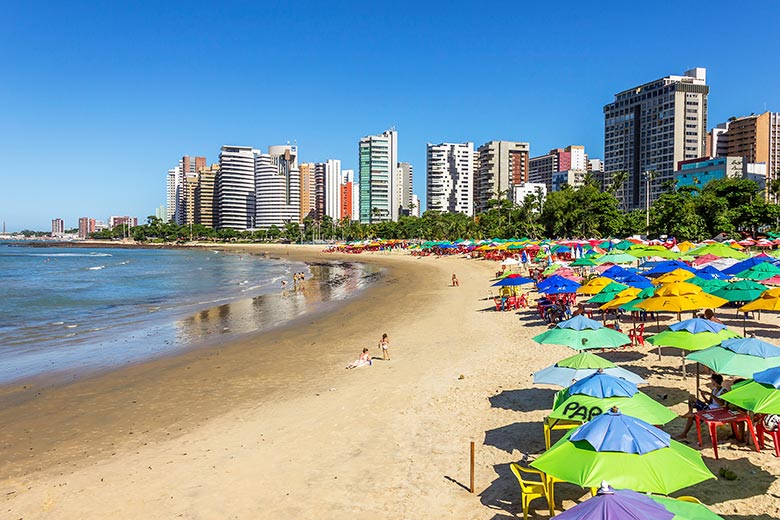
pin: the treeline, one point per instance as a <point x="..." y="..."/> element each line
<point x="731" y="206"/>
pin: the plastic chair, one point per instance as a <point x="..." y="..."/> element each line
<point x="637" y="335"/>
<point x="550" y="424"/>
<point x="530" y="490"/>
<point x="761" y="431"/>
<point x="497" y="302"/>
<point x="689" y="499"/>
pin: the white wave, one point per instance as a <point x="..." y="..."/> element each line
<point x="69" y="254"/>
<point x="58" y="323"/>
<point x="244" y="282"/>
<point x="96" y="268"/>
<point x="71" y="326"/>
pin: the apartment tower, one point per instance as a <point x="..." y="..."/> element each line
<point x="502" y="165"/>
<point x="205" y="210"/>
<point x="378" y="165"/>
<point x="235" y="187"/>
<point x="278" y="187"/>
<point x="650" y="128"/>
<point x="449" y="177"/>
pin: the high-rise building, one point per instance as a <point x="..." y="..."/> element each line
<point x="350" y="193"/>
<point x="205" y="210"/>
<point x="650" y="128"/>
<point x="177" y="190"/>
<point x="86" y="227"/>
<point x="319" y="191"/>
<point x="449" y="177"/>
<point x="502" y="164"/>
<point x="235" y="187"/>
<point x="307" y="190"/>
<point x="415" y="207"/>
<point x="114" y="221"/>
<point x="188" y="198"/>
<point x="378" y="171"/>
<point x="57" y="227"/>
<point x="333" y="188"/>
<point x="405" y="185"/>
<point x="278" y="181"/>
<point x="552" y="169"/>
<point x="755" y="137"/>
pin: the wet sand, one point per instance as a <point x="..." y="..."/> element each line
<point x="233" y="432"/>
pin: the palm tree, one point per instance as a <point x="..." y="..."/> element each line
<point x="619" y="180"/>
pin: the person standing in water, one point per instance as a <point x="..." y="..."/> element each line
<point x="384" y="345"/>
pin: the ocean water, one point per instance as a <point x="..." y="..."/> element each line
<point x="70" y="310"/>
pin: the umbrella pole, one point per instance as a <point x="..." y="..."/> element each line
<point x="682" y="354"/>
<point x="658" y="326"/>
<point x="696" y="391"/>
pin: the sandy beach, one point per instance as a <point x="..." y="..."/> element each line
<point x="273" y="426"/>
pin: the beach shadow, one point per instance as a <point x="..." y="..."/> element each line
<point x="525" y="437"/>
<point x="666" y="395"/>
<point x="523" y="400"/>
<point x="621" y="356"/>
<point x="712" y="491"/>
<point x="748" y="517"/>
<point x="464" y="486"/>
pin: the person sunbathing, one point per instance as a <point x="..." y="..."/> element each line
<point x="710" y="401"/>
<point x="363" y="360"/>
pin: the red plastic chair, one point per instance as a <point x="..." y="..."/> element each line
<point x="497" y="302"/>
<point x="511" y="303"/>
<point x="637" y="335"/>
<point x="761" y="431"/>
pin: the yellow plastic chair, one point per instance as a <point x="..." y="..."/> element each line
<point x="530" y="490"/>
<point x="556" y="424"/>
<point x="689" y="499"/>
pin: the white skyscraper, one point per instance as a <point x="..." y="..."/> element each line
<point x="278" y="187"/>
<point x="450" y="174"/>
<point x="333" y="188"/>
<point x="416" y="211"/>
<point x="235" y="187"/>
<point x="378" y="171"/>
<point x="174" y="183"/>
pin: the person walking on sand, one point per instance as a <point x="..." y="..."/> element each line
<point x="455" y="282"/>
<point x="384" y="345"/>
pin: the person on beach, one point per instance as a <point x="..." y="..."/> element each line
<point x="384" y="345"/>
<point x="455" y="282"/>
<point x="710" y="401"/>
<point x="363" y="360"/>
<point x="709" y="314"/>
<point x="284" y="284"/>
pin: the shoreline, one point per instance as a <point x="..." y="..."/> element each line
<point x="282" y="438"/>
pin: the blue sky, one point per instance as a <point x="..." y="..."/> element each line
<point x="98" y="100"/>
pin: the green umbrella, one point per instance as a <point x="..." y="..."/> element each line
<point x="661" y="471"/>
<point x="616" y="258"/>
<point x="729" y="363"/>
<point x="758" y="397"/>
<point x="608" y="293"/>
<point x="584" y="261"/>
<point x="583" y="339"/>
<point x="760" y="271"/>
<point x="741" y="291"/>
<point x="708" y="286"/>
<point x="684" y="510"/>
<point x="585" y="360"/>
<point x="579" y="407"/>
<point x="690" y="341"/>
<point x="648" y="251"/>
<point x="717" y="249"/>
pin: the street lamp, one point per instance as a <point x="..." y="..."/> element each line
<point x="649" y="174"/>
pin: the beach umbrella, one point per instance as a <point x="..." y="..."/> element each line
<point x="511" y="281"/>
<point x="609" y="292"/>
<point x="647" y="251"/>
<point x="774" y="280"/>
<point x="582" y="333"/>
<point x="769" y="300"/>
<point x="579" y="366"/>
<point x="553" y="281"/>
<point x="595" y="285"/>
<point x="708" y="286"/>
<point x="740" y="357"/>
<point x="636" y="280"/>
<point x="622" y="504"/>
<point x="599" y="392"/>
<point x="684" y="510"/>
<point x="617" y="273"/>
<point x="550" y="269"/>
<point x="693" y="334"/>
<point x="666" y="267"/>
<point x="759" y="272"/>
<point x="568" y="287"/>
<point x="740" y="291"/>
<point x="680" y="297"/>
<point x="759" y="395"/>
<point x="622" y="298"/>
<point x="637" y="456"/>
<point x="583" y="261"/>
<point x="709" y="272"/>
<point x="753" y="261"/>
<point x="705" y="259"/>
<point x="718" y="249"/>
<point x="616" y="258"/>
<point x="678" y="275"/>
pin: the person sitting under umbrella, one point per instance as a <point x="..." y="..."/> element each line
<point x="710" y="401"/>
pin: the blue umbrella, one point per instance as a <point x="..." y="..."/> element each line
<point x="697" y="325"/>
<point x="638" y="281"/>
<point x="617" y="273"/>
<point x="602" y="386"/>
<point x="710" y="273"/>
<point x="751" y="347"/>
<point x="667" y="267"/>
<point x="580" y="323"/>
<point x="613" y="431"/>
<point x="747" y="264"/>
<point x="563" y="376"/>
<point x="770" y="376"/>
<point x="566" y="287"/>
<point x="511" y="281"/>
<point x="553" y="280"/>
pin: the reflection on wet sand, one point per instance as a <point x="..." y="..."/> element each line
<point x="329" y="282"/>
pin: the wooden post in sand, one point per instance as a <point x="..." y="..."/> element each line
<point x="471" y="480"/>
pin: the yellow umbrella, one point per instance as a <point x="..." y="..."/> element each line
<point x="678" y="275"/>
<point x="768" y="301"/>
<point x="621" y="298"/>
<point x="594" y="286"/>
<point x="685" y="246"/>
<point x="680" y="297"/>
